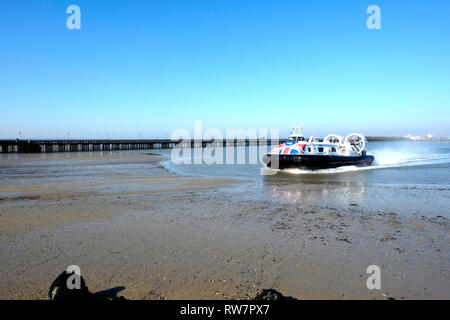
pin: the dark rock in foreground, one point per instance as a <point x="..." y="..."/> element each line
<point x="60" y="292"/>
<point x="270" y="294"/>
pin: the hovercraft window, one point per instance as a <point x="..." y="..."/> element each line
<point x="320" y="149"/>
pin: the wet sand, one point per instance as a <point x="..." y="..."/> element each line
<point x="128" y="222"/>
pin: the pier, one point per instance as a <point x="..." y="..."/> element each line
<point x="76" y="145"/>
<point x="36" y="146"/>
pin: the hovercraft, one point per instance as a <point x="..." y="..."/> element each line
<point x="334" y="151"/>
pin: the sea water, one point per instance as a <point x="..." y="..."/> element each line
<point x="408" y="177"/>
<point x="411" y="178"/>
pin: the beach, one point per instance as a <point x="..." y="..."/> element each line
<point x="131" y="222"/>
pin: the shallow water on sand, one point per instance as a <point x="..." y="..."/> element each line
<point x="408" y="177"/>
<point x="395" y="162"/>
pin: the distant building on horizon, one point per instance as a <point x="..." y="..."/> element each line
<point x="428" y="137"/>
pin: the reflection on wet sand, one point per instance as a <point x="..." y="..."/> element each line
<point x="328" y="190"/>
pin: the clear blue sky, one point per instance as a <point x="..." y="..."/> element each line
<point x="154" y="66"/>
